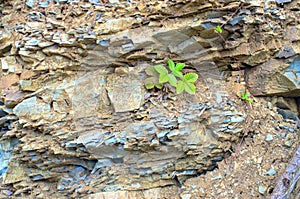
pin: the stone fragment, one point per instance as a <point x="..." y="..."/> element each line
<point x="115" y="25"/>
<point x="2" y="113"/>
<point x="271" y="172"/>
<point x="26" y="74"/>
<point x="125" y="92"/>
<point x="10" y="64"/>
<point x="4" y="65"/>
<point x="283" y="1"/>
<point x="269" y="137"/>
<point x="6" y="148"/>
<point x="275" y="78"/>
<point x="88" y="96"/>
<point x="257" y="58"/>
<point x="293" y="33"/>
<point x="286" y="114"/>
<point x="32" y="108"/>
<point x="13" y="97"/>
<point x="236" y="20"/>
<point x="287" y="52"/>
<point x="170" y="37"/>
<point x="262" y="190"/>
<point x="8" y="80"/>
<point x="5" y="41"/>
<point x="28" y="85"/>
<point x="15" y="172"/>
<point x="161" y="192"/>
<point x="30" y="3"/>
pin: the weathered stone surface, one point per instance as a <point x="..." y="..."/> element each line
<point x="5" y="41"/>
<point x="168" y="192"/>
<point x="275" y="78"/>
<point x="6" y="147"/>
<point x="125" y="92"/>
<point x="73" y="73"/>
<point x="9" y="80"/>
<point x="293" y="33"/>
<point x="32" y="108"/>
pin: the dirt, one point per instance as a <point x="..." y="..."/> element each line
<point x="253" y="166"/>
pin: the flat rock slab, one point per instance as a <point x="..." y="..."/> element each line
<point x="274" y="78"/>
<point x="125" y="92"/>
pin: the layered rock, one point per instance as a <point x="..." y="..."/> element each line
<point x="81" y="120"/>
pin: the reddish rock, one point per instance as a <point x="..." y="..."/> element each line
<point x="26" y="74"/>
<point x="8" y="80"/>
<point x="13" y="96"/>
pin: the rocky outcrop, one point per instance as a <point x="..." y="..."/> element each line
<point x="77" y="117"/>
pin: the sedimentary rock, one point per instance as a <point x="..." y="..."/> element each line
<point x="80" y="119"/>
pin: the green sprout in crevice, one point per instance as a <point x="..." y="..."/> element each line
<point x="245" y="96"/>
<point x="160" y="75"/>
<point x="219" y="29"/>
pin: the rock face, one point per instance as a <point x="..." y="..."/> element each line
<point x="76" y="118"/>
<point x="275" y="78"/>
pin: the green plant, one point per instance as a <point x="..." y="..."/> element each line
<point x="219" y="29"/>
<point x="245" y="96"/>
<point x="161" y="75"/>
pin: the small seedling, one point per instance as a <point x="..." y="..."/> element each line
<point x="187" y="83"/>
<point x="152" y="81"/>
<point x="245" y="96"/>
<point x="219" y="29"/>
<point x="161" y="75"/>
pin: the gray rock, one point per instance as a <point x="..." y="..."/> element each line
<point x="271" y="172"/>
<point x="170" y="38"/>
<point x="262" y="190"/>
<point x="275" y="78"/>
<point x="269" y="137"/>
<point x="286" y="114"/>
<point x="283" y="1"/>
<point x="102" y="163"/>
<point x="2" y="113"/>
<point x="30" y="3"/>
<point x="125" y="92"/>
<point x="6" y="149"/>
<point x="236" y="119"/>
<point x="236" y="20"/>
<point x="287" y="52"/>
<point x="32" y="107"/>
<point x="293" y="33"/>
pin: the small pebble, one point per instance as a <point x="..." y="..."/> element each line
<point x="271" y="172"/>
<point x="269" y="137"/>
<point x="262" y="189"/>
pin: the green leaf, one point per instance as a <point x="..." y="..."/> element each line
<point x="171" y="65"/>
<point x="247" y="95"/>
<point x="172" y="80"/>
<point x="163" y="78"/>
<point x="189" y="88"/>
<point x="190" y="77"/>
<point x="159" y="86"/>
<point x="149" y="83"/>
<point x="250" y="100"/>
<point x="151" y="71"/>
<point x="219" y="29"/>
<point x="177" y="74"/>
<point x="161" y="69"/>
<point x="180" y="87"/>
<point x="179" y="66"/>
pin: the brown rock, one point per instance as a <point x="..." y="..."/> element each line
<point x="166" y="192"/>
<point x="26" y="74"/>
<point x="274" y="78"/>
<point x="9" y="80"/>
<point x="293" y="33"/>
<point x="13" y="96"/>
